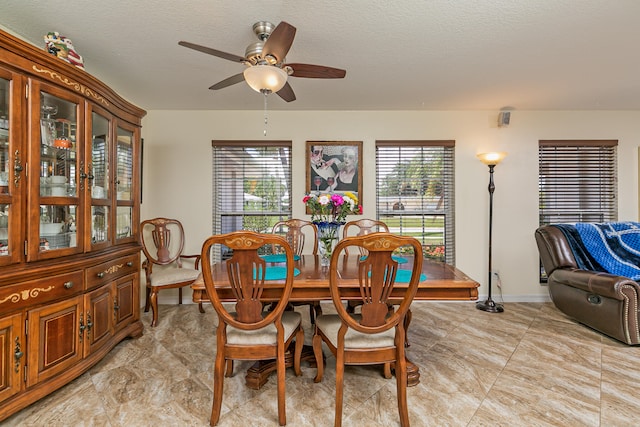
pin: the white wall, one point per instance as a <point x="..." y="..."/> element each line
<point x="177" y="171"/>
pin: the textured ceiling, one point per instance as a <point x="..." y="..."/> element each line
<point x="399" y="55"/>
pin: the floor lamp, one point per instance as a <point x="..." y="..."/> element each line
<point x="491" y="160"/>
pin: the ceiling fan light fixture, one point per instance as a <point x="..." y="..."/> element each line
<point x="265" y="77"/>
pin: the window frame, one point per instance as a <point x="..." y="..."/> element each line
<point x="223" y="184"/>
<point x="574" y="177"/>
<point x="421" y="198"/>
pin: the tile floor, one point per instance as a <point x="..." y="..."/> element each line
<point x="528" y="366"/>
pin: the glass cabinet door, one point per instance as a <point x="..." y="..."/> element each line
<point x="60" y="180"/>
<point x="12" y="175"/>
<point x="124" y="183"/>
<point x="98" y="170"/>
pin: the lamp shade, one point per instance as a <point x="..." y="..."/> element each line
<point x="491" y="159"/>
<point x="265" y="78"/>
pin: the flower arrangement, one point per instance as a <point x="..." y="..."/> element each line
<point x="332" y="207"/>
<point x="435" y="252"/>
<point x="328" y="211"/>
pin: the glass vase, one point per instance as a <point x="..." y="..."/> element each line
<point x="327" y="239"/>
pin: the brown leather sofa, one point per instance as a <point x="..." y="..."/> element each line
<point x="581" y="289"/>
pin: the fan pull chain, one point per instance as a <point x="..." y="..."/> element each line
<point x="265" y="114"/>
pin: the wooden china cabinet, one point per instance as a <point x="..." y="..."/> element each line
<point x="69" y="215"/>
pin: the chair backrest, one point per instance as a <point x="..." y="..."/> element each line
<point x="162" y="240"/>
<point x="377" y="279"/>
<point x="364" y="226"/>
<point x="295" y="232"/>
<point x="246" y="272"/>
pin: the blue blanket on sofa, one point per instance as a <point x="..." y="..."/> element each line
<point x="614" y="245"/>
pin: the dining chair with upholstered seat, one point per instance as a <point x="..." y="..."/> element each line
<point x="362" y="227"/>
<point x="248" y="332"/>
<point x="296" y="232"/>
<point x="162" y="244"/>
<point x="377" y="335"/>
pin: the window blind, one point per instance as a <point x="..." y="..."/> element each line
<point x="578" y="181"/>
<point x="251" y="185"/>
<point x="415" y="193"/>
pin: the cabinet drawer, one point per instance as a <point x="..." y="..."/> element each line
<point x="39" y="291"/>
<point x="110" y="270"/>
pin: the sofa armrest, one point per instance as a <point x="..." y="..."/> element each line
<point x="603" y="284"/>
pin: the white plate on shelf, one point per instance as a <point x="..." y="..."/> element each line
<point x="60" y="190"/>
<point x="49" y="229"/>
<point x="57" y="179"/>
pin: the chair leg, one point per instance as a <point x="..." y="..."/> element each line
<point x="146" y="301"/>
<point x="229" y="372"/>
<point x="218" y="386"/>
<point x="297" y="353"/>
<point x="315" y="310"/>
<point x="200" y="307"/>
<point x="407" y="320"/>
<point x="401" y="384"/>
<point x="387" y="370"/>
<point x="179" y="295"/>
<point x="154" y="306"/>
<point x="317" y="352"/>
<point x="339" y="387"/>
<point x="351" y="306"/>
<point x="282" y="415"/>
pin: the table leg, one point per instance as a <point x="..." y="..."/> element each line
<point x="258" y="373"/>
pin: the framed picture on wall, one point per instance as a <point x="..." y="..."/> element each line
<point x="334" y="166"/>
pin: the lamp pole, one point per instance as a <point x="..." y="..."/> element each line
<point x="491" y="160"/>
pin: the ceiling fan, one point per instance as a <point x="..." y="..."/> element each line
<point x="266" y="70"/>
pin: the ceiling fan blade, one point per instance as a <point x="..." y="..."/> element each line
<point x="214" y="52"/>
<point x="316" y="71"/>
<point x="279" y="42"/>
<point x="228" y="81"/>
<point x="286" y="93"/>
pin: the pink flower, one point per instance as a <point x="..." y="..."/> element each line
<point x="337" y="199"/>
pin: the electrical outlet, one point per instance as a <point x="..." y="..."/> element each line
<point x="496" y="278"/>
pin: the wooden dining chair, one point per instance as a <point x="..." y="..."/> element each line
<point x="362" y="227"/>
<point x="296" y="231"/>
<point x="162" y="244"/>
<point x="248" y="332"/>
<point x="377" y="335"/>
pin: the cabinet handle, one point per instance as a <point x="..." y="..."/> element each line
<point x="17" y="354"/>
<point x="90" y="172"/>
<point x="89" y="324"/>
<point x="68" y="285"/>
<point x="130" y="264"/>
<point x="100" y="275"/>
<point x="82" y="175"/>
<point x="17" y="168"/>
<point x="82" y="327"/>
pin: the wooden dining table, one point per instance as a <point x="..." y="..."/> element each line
<point x="441" y="282"/>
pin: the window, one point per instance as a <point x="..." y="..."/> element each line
<point x="577" y="182"/>
<point x="251" y="185"/>
<point x="415" y="193"/>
